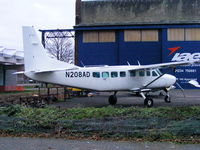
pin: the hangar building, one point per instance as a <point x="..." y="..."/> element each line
<point x="114" y="32"/>
<point x="11" y="61"/>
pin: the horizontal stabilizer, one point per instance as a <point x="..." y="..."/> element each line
<point x="20" y="72"/>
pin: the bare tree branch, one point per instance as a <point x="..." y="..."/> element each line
<point x="60" y="46"/>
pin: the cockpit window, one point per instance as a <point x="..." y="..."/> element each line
<point x="159" y="72"/>
<point x="114" y="74"/>
<point x="96" y="74"/>
<point x="105" y="74"/>
<point x="154" y="73"/>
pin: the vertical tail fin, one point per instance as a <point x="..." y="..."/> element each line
<point x="35" y="56"/>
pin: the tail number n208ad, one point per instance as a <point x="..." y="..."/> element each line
<point x="77" y="74"/>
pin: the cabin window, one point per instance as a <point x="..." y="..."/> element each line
<point x="105" y="74"/>
<point x="96" y="74"/>
<point x="114" y="74"/>
<point x="148" y="73"/>
<point x="141" y="73"/>
<point x="132" y="73"/>
<point x="122" y="74"/>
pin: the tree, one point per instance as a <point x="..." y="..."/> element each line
<point x="60" y="45"/>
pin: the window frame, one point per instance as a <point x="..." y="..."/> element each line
<point x="132" y="73"/>
<point x="99" y="75"/>
<point x="120" y="74"/>
<point x="116" y="73"/>
<point x="105" y="72"/>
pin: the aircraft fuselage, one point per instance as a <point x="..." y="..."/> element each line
<point x="107" y="78"/>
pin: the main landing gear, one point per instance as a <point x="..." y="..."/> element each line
<point x="148" y="101"/>
<point x="112" y="99"/>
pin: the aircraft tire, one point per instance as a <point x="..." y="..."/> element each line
<point x="112" y="100"/>
<point x="167" y="99"/>
<point x="148" y="102"/>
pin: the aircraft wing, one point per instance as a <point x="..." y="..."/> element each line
<point x="165" y="65"/>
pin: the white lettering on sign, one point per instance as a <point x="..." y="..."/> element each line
<point x="179" y="70"/>
<point x="186" y="57"/>
<point x="190" y="70"/>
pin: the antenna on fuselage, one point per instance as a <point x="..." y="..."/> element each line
<point x="138" y="62"/>
<point x="128" y="63"/>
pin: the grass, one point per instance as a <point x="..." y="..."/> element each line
<point x="53" y="113"/>
<point x="145" y="123"/>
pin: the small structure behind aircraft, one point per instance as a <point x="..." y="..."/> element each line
<point x="141" y="79"/>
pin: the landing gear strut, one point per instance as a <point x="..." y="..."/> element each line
<point x="112" y="99"/>
<point x="167" y="97"/>
<point x="147" y="100"/>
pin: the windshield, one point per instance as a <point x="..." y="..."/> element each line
<point x="158" y="71"/>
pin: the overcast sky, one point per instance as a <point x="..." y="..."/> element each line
<point x="42" y="14"/>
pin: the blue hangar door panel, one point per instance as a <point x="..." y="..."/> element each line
<point x="97" y="48"/>
<point x="184" y="51"/>
<point x="140" y="45"/>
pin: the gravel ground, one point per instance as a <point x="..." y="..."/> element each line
<point x="10" y="143"/>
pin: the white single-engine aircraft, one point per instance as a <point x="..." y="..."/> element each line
<point x="141" y="79"/>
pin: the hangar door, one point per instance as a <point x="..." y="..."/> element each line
<point x="143" y="45"/>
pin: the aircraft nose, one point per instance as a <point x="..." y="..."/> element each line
<point x="170" y="79"/>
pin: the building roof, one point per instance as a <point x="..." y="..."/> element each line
<point x="11" y="56"/>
